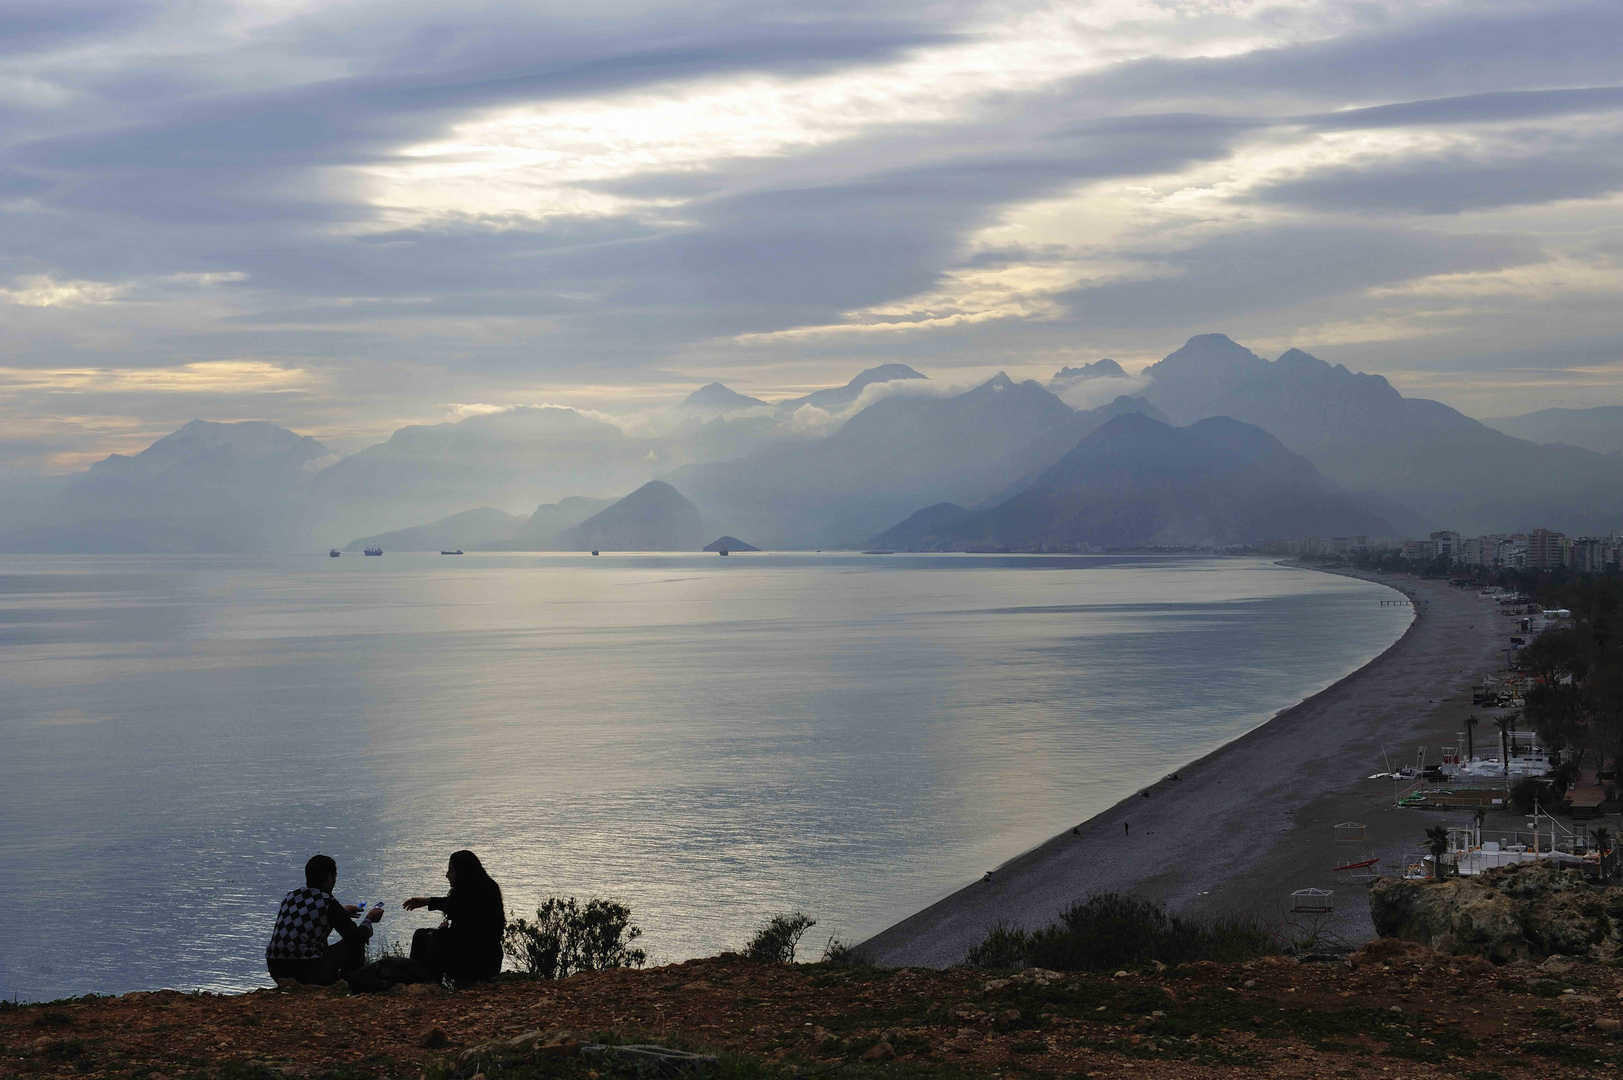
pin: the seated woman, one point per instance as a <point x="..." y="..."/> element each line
<point x="467" y="947"/>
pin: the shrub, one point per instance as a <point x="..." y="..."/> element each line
<point x="1108" y="931"/>
<point x="843" y="952"/>
<point x="567" y="937"/>
<point x="1005" y="947"/>
<point x="775" y="942"/>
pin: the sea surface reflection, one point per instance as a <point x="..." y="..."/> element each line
<point x="712" y="740"/>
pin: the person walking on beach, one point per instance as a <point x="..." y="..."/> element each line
<point x="298" y="946"/>
<point x="467" y="946"/>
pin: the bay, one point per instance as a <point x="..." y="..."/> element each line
<point x="711" y="740"/>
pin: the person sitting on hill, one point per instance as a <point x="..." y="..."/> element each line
<point x="298" y="946"/>
<point x="467" y="947"/>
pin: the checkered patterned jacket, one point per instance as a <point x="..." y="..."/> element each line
<point x="303" y="922"/>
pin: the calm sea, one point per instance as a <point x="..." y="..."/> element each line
<point x="711" y="740"/>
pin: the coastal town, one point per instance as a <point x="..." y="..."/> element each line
<point x="1535" y="759"/>
<point x="1537" y="549"/>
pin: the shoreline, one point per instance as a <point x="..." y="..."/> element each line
<point x="1251" y="821"/>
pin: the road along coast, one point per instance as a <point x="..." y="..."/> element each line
<point x="1243" y="827"/>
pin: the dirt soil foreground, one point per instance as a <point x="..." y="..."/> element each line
<point x="1243" y="827"/>
<point x="1396" y="1009"/>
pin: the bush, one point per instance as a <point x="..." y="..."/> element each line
<point x="1005" y="947"/>
<point x="843" y="952"/>
<point x="1108" y="931"/>
<point x="566" y="937"/>
<point x="775" y="942"/>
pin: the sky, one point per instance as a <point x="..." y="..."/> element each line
<point x="346" y="215"/>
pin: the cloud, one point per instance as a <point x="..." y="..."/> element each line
<point x="461" y="411"/>
<point x="1085" y="394"/>
<point x="413" y="207"/>
<point x="1455" y="173"/>
<point x="42" y="290"/>
<point x="204" y="377"/>
<point x="1476" y="109"/>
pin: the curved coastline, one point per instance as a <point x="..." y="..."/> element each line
<point x="1251" y="821"/>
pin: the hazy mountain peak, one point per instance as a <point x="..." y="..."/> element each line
<point x="836" y="397"/>
<point x="1213" y="355"/>
<point x="729" y="543"/>
<point x="207" y="486"/>
<point x="1599" y="429"/>
<point x="1298" y="356"/>
<point x="718" y="397"/>
<point x="1421" y="461"/>
<point x="1137" y="481"/>
<point x="884" y="373"/>
<point x="252" y="439"/>
<point x="469" y="529"/>
<point x="1099" y="369"/>
<point x="245" y="440"/>
<point x="655" y="517"/>
<point x="902" y="451"/>
<point x="531" y="417"/>
<point x="519" y="423"/>
<point x="536" y="532"/>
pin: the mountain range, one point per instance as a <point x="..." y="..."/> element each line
<point x="1099" y="369"/>
<point x="655" y="517"/>
<point x="465" y="531"/>
<point x="524" y="454"/>
<point x="1599" y="428"/>
<point x="901" y="452"/>
<point x="1418" y="462"/>
<point x="1137" y="482"/>
<point x="207" y="487"/>
<point x="841" y="397"/>
<point x="890" y="456"/>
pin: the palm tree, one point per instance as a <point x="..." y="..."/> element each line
<point x="1437" y="838"/>
<point x="1506" y="724"/>
<point x="1470" y="744"/>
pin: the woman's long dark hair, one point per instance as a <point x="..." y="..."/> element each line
<point x="472" y="882"/>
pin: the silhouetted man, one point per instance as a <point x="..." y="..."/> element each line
<point x="298" y="946"/>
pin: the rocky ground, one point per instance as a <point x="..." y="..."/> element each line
<point x="1395" y="1009"/>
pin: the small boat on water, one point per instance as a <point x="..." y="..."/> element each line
<point x="374" y="551"/>
<point x="333" y="553"/>
<point x="458" y="551"/>
<point x="594" y="551"/>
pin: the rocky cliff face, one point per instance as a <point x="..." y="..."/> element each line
<point x="1515" y="913"/>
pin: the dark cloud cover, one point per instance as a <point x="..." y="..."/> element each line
<point x="1451" y="185"/>
<point x="210" y="200"/>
